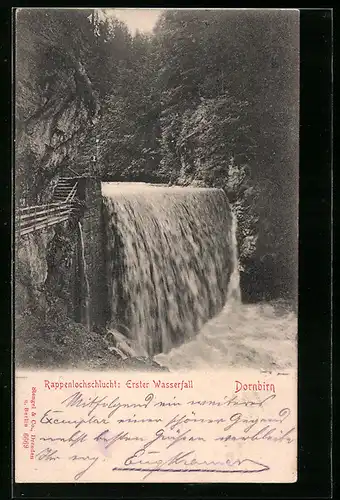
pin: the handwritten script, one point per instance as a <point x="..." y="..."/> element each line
<point x="207" y="434"/>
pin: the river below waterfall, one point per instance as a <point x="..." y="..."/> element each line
<point x="261" y="336"/>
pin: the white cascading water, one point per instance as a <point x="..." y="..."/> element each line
<point x="86" y="306"/>
<point x="171" y="261"/>
<point x="234" y="289"/>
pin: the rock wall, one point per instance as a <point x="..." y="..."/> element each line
<point x="55" y="102"/>
<point x="45" y="270"/>
<point x="50" y="272"/>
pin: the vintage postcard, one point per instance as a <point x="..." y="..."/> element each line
<point x="156" y="235"/>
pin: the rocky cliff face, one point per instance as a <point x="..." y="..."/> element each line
<point x="55" y="102"/>
<point x="46" y="266"/>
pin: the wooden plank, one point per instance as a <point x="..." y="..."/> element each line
<point x="24" y="209"/>
<point x="73" y="192"/>
<point x="51" y="206"/>
<point x="33" y="217"/>
<point x="46" y="218"/>
<point x="41" y="218"/>
<point x="41" y="226"/>
<point x="46" y="211"/>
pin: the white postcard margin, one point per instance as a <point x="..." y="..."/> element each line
<point x="217" y="426"/>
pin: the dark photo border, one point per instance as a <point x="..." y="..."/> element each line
<point x="315" y="274"/>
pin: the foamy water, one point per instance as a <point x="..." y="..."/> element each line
<point x="241" y="336"/>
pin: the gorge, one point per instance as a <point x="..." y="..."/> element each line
<point x="164" y="136"/>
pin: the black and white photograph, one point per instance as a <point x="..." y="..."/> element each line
<point x="156" y="182"/>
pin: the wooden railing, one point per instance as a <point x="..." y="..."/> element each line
<point x="39" y="217"/>
<point x="72" y="193"/>
<point x="34" y="218"/>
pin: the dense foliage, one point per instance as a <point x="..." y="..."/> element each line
<point x="210" y="98"/>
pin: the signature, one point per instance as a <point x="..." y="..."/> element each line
<point x="185" y="461"/>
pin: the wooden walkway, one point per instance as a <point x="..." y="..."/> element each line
<point x="38" y="217"/>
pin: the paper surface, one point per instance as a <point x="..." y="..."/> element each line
<point x="132" y="427"/>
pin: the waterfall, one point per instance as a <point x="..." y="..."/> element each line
<point x="170" y="255"/>
<point x="234" y="290"/>
<point x="86" y="296"/>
